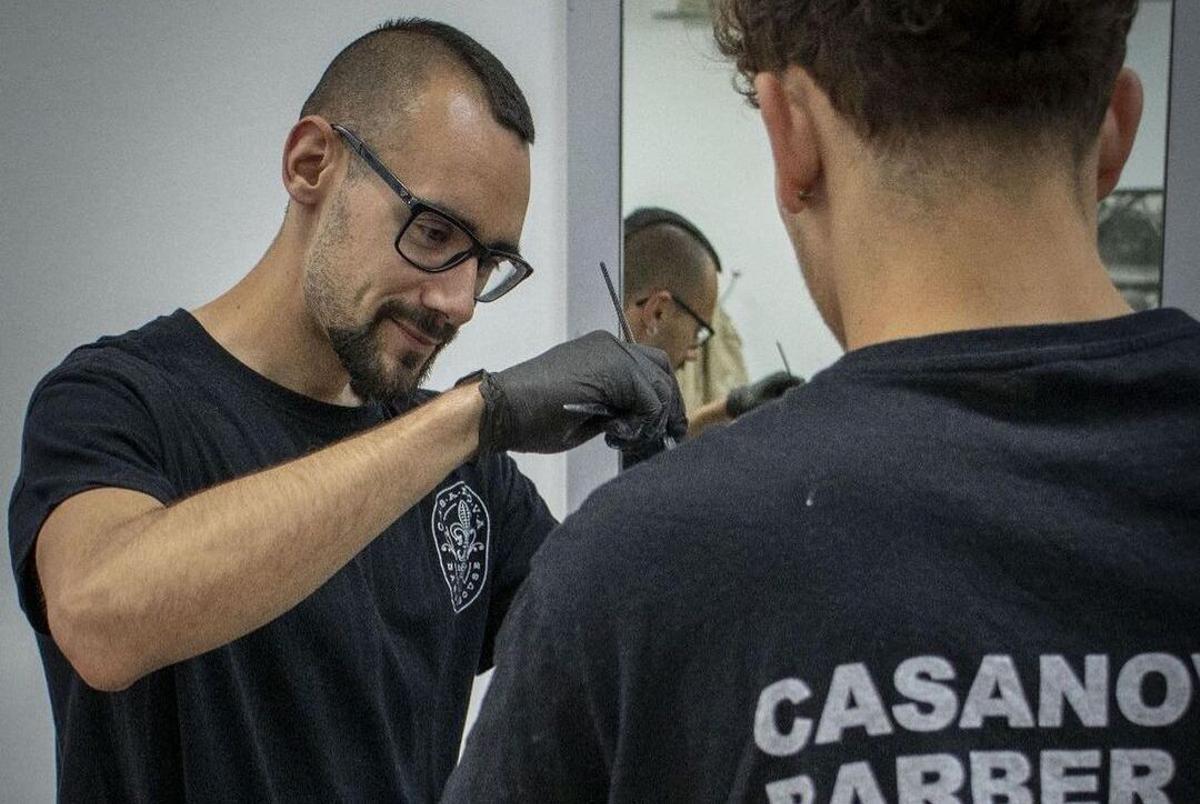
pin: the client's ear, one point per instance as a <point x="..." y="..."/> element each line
<point x="787" y="117"/>
<point x="1118" y="130"/>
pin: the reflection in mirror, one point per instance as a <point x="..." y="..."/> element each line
<point x="1131" y="244"/>
<point x="690" y="144"/>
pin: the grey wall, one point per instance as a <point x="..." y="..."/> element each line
<point x="140" y="158"/>
<point x="1181" y="260"/>
<point x="593" y="222"/>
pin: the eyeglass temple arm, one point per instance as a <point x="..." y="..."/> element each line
<point x="363" y="151"/>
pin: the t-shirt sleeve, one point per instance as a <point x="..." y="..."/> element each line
<point x="537" y="737"/>
<point x="523" y="523"/>
<point x="87" y="427"/>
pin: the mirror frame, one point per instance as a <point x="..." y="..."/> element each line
<point x="1181" y="242"/>
<point x="593" y="199"/>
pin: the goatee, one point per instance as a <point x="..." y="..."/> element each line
<point x="360" y="353"/>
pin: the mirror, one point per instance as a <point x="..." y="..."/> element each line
<point x="691" y="144"/>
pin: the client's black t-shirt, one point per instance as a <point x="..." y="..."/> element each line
<point x="359" y="693"/>
<point x="959" y="568"/>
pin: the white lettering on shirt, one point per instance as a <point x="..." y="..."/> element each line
<point x="997" y="692"/>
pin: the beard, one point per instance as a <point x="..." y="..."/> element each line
<point x="359" y="348"/>
<point x="361" y="352"/>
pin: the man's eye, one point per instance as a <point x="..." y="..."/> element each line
<point x="432" y="233"/>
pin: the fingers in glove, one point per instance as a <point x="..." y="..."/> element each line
<point x="775" y="385"/>
<point x="630" y="430"/>
<point x="586" y="430"/>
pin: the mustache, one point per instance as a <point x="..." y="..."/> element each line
<point x="430" y="324"/>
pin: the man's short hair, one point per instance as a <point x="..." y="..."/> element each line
<point x="663" y="249"/>
<point x="370" y="84"/>
<point x="1000" y="72"/>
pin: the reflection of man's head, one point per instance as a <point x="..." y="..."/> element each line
<point x="670" y="283"/>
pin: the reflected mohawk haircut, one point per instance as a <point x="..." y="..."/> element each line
<point x="664" y="250"/>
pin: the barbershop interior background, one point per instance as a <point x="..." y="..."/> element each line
<point x="142" y="148"/>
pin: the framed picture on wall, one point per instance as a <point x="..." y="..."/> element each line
<point x="1131" y="244"/>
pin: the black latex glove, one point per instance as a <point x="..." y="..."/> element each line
<point x="633" y="385"/>
<point x="745" y="398"/>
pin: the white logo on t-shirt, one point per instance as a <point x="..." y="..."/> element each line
<point x="461" y="527"/>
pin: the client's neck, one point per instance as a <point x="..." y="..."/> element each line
<point x="981" y="258"/>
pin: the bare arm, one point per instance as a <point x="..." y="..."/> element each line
<point x="706" y="416"/>
<point x="741" y="400"/>
<point x="132" y="586"/>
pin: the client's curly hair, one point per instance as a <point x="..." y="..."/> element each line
<point x="897" y="69"/>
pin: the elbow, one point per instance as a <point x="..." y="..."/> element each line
<point x="89" y="640"/>
<point x="104" y="677"/>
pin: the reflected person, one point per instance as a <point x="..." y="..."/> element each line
<point x="670" y="296"/>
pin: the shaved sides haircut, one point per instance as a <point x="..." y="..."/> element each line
<point x="373" y="82"/>
<point x="663" y="255"/>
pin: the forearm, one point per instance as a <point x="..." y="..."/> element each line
<point x="181" y="580"/>
<point x="706" y="416"/>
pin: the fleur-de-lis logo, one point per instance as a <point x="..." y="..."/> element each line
<point x="461" y="527"/>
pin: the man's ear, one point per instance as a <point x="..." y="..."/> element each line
<point x="308" y="155"/>
<point x="1118" y="131"/>
<point x="646" y="318"/>
<point x="790" y="129"/>
<point x="655" y="308"/>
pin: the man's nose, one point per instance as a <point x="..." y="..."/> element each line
<point x="452" y="292"/>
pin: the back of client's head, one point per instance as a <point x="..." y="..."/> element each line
<point x="934" y="81"/>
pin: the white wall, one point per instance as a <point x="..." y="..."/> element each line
<point x="691" y="143"/>
<point x="140" y="172"/>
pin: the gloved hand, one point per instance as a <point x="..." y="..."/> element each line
<point x="745" y="398"/>
<point x="632" y="384"/>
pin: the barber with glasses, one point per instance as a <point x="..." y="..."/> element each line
<point x="261" y="563"/>
<point x="670" y="296"/>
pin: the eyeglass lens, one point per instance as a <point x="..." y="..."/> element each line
<point x="434" y="242"/>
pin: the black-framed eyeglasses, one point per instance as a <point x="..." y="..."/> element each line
<point x="434" y="240"/>
<point x="704" y="330"/>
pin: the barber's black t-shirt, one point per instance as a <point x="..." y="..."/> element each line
<point x="959" y="568"/>
<point x="359" y="693"/>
